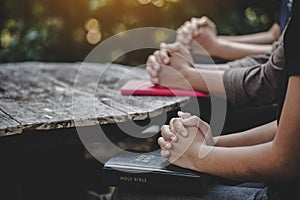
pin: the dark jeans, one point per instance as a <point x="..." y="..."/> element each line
<point x="246" y="191"/>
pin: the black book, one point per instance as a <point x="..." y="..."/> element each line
<point x="151" y="172"/>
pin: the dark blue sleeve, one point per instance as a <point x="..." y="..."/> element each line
<point x="285" y="13"/>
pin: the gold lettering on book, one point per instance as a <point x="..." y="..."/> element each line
<point x="144" y="158"/>
<point x="126" y="178"/>
<point x="133" y="179"/>
<point x="140" y="179"/>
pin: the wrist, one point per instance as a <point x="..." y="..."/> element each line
<point x="201" y="158"/>
<point x="188" y="75"/>
<point x="217" y="47"/>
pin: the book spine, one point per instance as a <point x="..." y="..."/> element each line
<point x="152" y="181"/>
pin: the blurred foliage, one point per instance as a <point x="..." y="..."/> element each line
<point x="67" y="30"/>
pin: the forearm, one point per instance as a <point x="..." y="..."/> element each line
<point x="267" y="37"/>
<point x="266" y="162"/>
<point x="212" y="66"/>
<point x="258" y="38"/>
<point x="258" y="135"/>
<point x="209" y="81"/>
<point x="251" y="163"/>
<point x="230" y="50"/>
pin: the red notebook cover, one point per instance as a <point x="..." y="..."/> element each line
<point x="143" y="87"/>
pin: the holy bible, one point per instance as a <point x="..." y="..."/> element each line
<point x="151" y="172"/>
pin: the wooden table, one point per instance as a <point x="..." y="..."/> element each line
<point x="38" y="102"/>
<point x="38" y="96"/>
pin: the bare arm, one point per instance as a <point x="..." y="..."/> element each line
<point x="267" y="37"/>
<point x="203" y="32"/>
<point x="174" y="68"/>
<point x="209" y="81"/>
<point x="240" y="83"/>
<point x="278" y="159"/>
<point x="230" y="50"/>
<point x="212" y="66"/>
<point x="250" y="137"/>
<point x="235" y="47"/>
<point x="261" y="159"/>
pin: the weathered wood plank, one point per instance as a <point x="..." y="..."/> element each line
<point x="54" y="113"/>
<point x="43" y="96"/>
<point x="40" y="97"/>
<point x="136" y="107"/>
<point x="141" y="107"/>
<point x="8" y="125"/>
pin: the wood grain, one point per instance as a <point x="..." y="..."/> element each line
<point x="47" y="96"/>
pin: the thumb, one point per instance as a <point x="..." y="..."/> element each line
<point x="196" y="121"/>
<point x="172" y="47"/>
<point x="184" y="115"/>
<point x="199" y="32"/>
<point x="204" y="128"/>
<point x="203" y="21"/>
<point x="191" y="121"/>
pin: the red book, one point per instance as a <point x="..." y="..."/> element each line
<point x="146" y="88"/>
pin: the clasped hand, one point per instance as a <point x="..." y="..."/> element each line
<point x="185" y="140"/>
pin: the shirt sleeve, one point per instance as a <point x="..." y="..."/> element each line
<point x="250" y="61"/>
<point x="257" y="85"/>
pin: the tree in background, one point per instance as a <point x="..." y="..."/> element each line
<point x="55" y="30"/>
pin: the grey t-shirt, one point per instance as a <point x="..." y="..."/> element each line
<point x="258" y="84"/>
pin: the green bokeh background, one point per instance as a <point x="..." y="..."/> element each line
<point x="54" y="30"/>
